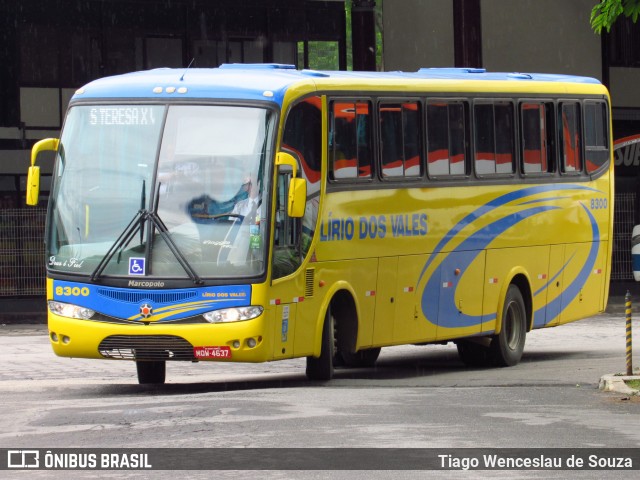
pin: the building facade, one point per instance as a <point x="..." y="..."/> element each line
<point x="50" y="48"/>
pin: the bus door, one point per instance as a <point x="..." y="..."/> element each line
<point x="287" y="288"/>
<point x="292" y="291"/>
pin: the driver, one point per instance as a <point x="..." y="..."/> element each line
<point x="252" y="202"/>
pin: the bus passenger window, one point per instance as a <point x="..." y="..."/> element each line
<point x="350" y="141"/>
<point x="400" y="128"/>
<point x="485" y="158"/>
<point x="494" y="138"/>
<point x="537" y="137"/>
<point x="504" y="137"/>
<point x="596" y="135"/>
<point x="446" y="138"/>
<point x="571" y="144"/>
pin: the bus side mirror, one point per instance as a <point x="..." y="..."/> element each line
<point x="297" y="197"/>
<point x="635" y="252"/>
<point x="33" y="177"/>
<point x="297" y="186"/>
<point x="33" y="185"/>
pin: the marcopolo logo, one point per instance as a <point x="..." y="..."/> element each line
<point x="138" y="283"/>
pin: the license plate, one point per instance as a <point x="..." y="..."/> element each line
<point x="212" y="352"/>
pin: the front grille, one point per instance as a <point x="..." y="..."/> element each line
<point x="146" y="347"/>
<point x="137" y="296"/>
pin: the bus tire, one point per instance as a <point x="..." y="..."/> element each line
<point x="321" y="368"/>
<point x="360" y="359"/>
<point x="152" y="372"/>
<point x="507" y="346"/>
<point x="473" y="354"/>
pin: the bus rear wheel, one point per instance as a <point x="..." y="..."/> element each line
<point x="321" y="368"/>
<point x="151" y="372"/>
<point x="507" y="346"/>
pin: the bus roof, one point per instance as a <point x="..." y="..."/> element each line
<point x="269" y="82"/>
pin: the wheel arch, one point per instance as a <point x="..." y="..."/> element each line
<point x="341" y="301"/>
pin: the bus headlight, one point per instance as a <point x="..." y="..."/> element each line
<point x="237" y="314"/>
<point x="71" y="311"/>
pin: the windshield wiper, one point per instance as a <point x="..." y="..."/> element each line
<point x="164" y="234"/>
<point x="143" y="202"/>
<point x="124" y="238"/>
<point x="139" y="219"/>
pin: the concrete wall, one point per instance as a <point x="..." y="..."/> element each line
<point x="417" y="33"/>
<point x="547" y="36"/>
<point x="625" y="87"/>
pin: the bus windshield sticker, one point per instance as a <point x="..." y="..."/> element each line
<point x="136" y="266"/>
<point x="122" y="116"/>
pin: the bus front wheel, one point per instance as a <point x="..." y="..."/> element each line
<point x="321" y="368"/>
<point x="507" y="346"/>
<point x="151" y="372"/>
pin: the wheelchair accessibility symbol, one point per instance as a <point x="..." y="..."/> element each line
<point x="136" y="266"/>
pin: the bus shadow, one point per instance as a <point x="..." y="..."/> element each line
<point x="440" y="364"/>
<point x="420" y="365"/>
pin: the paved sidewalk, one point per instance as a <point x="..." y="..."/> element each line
<point x="617" y="383"/>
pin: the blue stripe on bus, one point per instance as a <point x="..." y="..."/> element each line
<point x="554" y="308"/>
<point x="448" y="314"/>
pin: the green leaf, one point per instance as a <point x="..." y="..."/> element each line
<point x="605" y="13"/>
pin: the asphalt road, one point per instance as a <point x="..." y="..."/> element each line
<point x="416" y="397"/>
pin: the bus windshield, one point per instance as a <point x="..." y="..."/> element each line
<point x="161" y="191"/>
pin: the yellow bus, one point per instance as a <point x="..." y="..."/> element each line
<point x="251" y="213"/>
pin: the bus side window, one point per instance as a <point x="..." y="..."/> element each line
<point x="571" y="144"/>
<point x="401" y="149"/>
<point x="446" y="138"/>
<point x="350" y="152"/>
<point x="537" y="137"/>
<point x="494" y="138"/>
<point x="596" y="141"/>
<point x="286" y="252"/>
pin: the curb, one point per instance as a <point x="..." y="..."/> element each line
<point x="616" y="383"/>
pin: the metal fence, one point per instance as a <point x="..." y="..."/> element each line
<point x="22" y="266"/>
<point x="623" y="215"/>
<point x="22" y="262"/>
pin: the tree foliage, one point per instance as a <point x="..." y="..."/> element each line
<point x="605" y="13"/>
